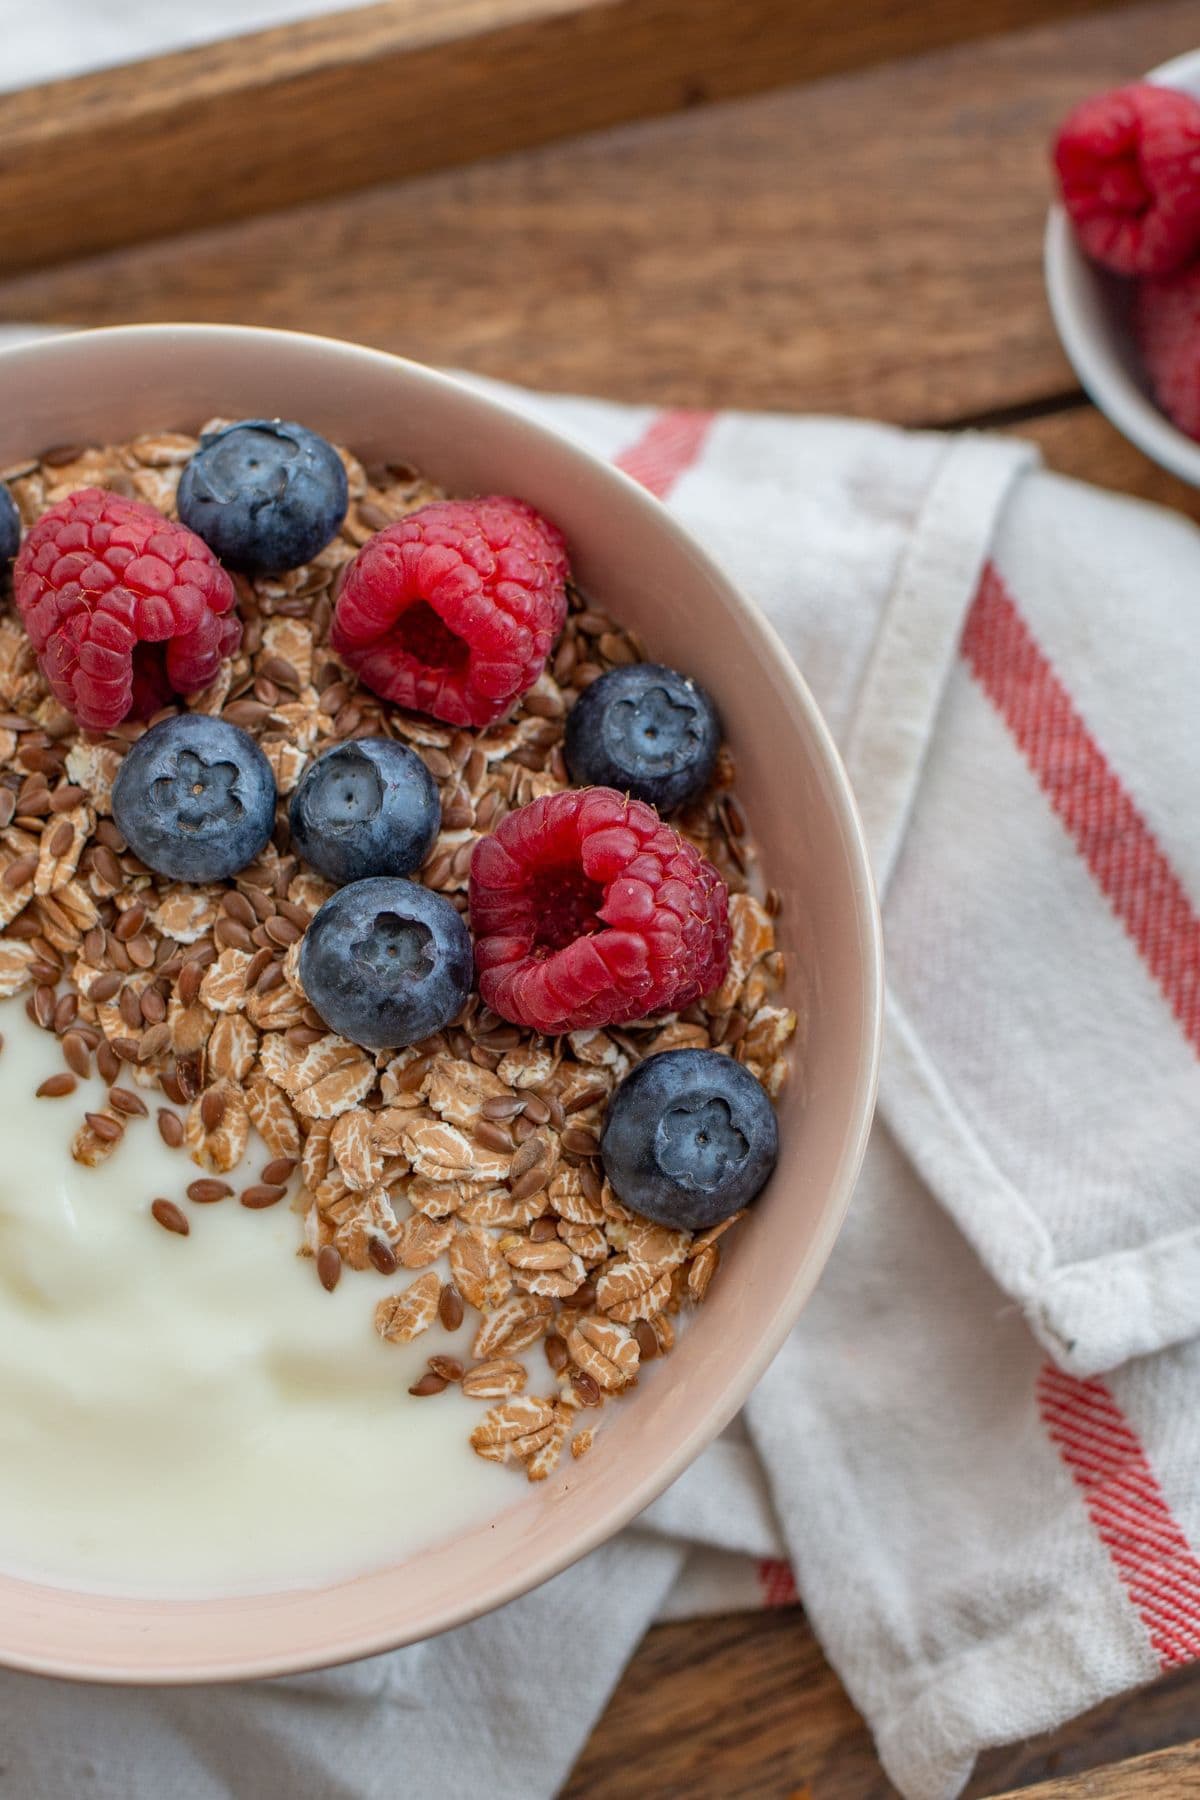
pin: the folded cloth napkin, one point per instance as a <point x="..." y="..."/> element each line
<point x="976" y="1451"/>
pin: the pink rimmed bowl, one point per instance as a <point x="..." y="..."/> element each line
<point x="629" y="553"/>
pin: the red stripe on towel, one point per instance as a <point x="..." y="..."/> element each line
<point x="1109" y="832"/>
<point x="1155" y="1563"/>
<point x="667" y="449"/>
<point x="1152" y="1558"/>
<point x="777" y="1582"/>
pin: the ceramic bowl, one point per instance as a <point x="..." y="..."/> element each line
<point x="627" y="550"/>
<point x="1091" y="313"/>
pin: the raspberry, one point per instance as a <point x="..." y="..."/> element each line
<point x="1167" y="323"/>
<point x="587" y="910"/>
<point x="454" y="609"/>
<point x="124" y="608"/>
<point x="1129" y="169"/>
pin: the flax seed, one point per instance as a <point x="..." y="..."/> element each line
<point x="76" y="1054"/>
<point x="109" y="833"/>
<point x="212" y="1109"/>
<point x="170" y="1217"/>
<point x="108" y="1063"/>
<point x="153" y="1007"/>
<point x="448" y="1367"/>
<point x="64" y="798"/>
<point x="107" y="867"/>
<point x="20" y="871"/>
<point x="155" y="1040"/>
<point x="503" y="1106"/>
<point x="207" y="1191"/>
<point x="492" y="1136"/>
<point x="231" y="935"/>
<point x="429" y="1383"/>
<point x="106" y="1129"/>
<point x="450" y="1307"/>
<point x="382" y="1255"/>
<point x="278" y="1172"/>
<point x="261" y="1195"/>
<point x="55" y="1087"/>
<point x="170" y="1128"/>
<point x="132" y="1105"/>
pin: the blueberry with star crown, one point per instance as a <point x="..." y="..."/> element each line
<point x="386" y="962"/>
<point x="647" y="731"/>
<point x="195" y="798"/>
<point x="266" y="494"/>
<point x="690" y="1138"/>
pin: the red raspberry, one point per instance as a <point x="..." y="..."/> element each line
<point x="125" y="608"/>
<point x="587" y="910"/>
<point x="454" y="609"/>
<point x="1129" y="168"/>
<point x="1167" y="323"/>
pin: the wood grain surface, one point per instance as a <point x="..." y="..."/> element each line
<point x="846" y="246"/>
<point x="747" y="1708"/>
<point x="867" y="243"/>
<point x="1163" y="1775"/>
<point x="390" y="90"/>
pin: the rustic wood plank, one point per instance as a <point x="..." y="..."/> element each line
<point x="331" y="104"/>
<point x="1164" y="1775"/>
<point x="1081" y="442"/>
<point x="747" y="1708"/>
<point x="846" y="246"/>
<point x="740" y="1708"/>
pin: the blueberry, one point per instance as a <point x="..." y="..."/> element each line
<point x="195" y="797"/>
<point x="368" y="807"/>
<point x="646" y="731"/>
<point x="690" y="1137"/>
<point x="10" y="526"/>
<point x="265" y="494"/>
<point x="386" y="962"/>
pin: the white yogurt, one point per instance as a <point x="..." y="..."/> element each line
<point x="197" y="1415"/>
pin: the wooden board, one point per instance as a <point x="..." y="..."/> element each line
<point x="391" y="90"/>
<point x="1164" y="1775"/>
<point x="842" y="247"/>
<point x="747" y="1708"/>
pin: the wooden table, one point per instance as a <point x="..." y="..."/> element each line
<point x="863" y="241"/>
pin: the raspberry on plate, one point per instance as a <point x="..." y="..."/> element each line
<point x="587" y="910"/>
<point x="1167" y="324"/>
<point x="454" y="609"/>
<point x="125" y="608"/>
<point x="1128" y="166"/>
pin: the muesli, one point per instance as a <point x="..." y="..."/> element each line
<point x="318" y="845"/>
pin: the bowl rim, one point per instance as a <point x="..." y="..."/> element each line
<point x="750" y="622"/>
<point x="1134" y="414"/>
